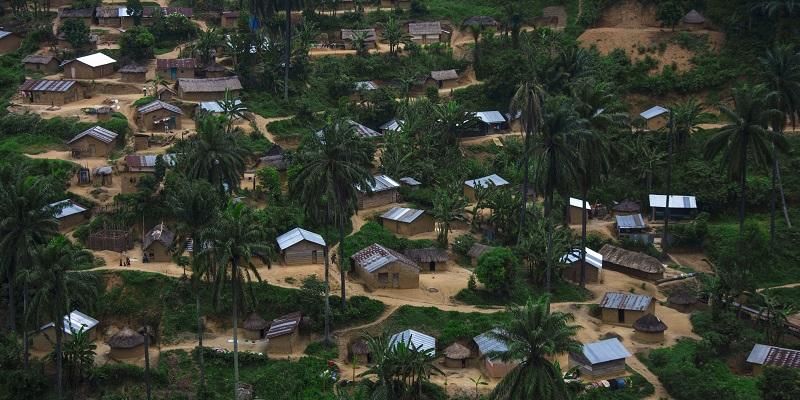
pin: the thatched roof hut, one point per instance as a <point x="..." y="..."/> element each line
<point x="127" y="338"/>
<point x="360" y="352"/>
<point x="682" y="298"/>
<point x="254" y="322"/>
<point x="649" y="324"/>
<point x="631" y="263"/>
<point x="427" y="255"/>
<point x="480" y="20"/>
<point x="456" y="356"/>
<point x="627" y="207"/>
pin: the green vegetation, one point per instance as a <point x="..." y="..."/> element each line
<point x="638" y="388"/>
<point x="521" y="290"/>
<point x="373" y="232"/>
<point x="294" y="127"/>
<point x="787" y="296"/>
<point x="446" y="326"/>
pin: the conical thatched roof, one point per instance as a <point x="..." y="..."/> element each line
<point x="457" y="351"/>
<point x="127" y="338"/>
<point x="649" y="324"/>
<point x="627" y="206"/>
<point x="359" y="347"/>
<point x="693" y="17"/>
<point x="254" y="323"/>
<point x="682" y="298"/>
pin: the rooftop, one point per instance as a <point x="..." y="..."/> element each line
<point x="409" y="181"/>
<point x="604" y="351"/>
<point x="625" y="301"/>
<point x="444" y="75"/>
<point x="298" y="235"/>
<point x="65" y="208"/>
<point x="285" y="325"/>
<point x="393" y="125"/>
<point x="102" y="134"/>
<point x="427" y="255"/>
<point x="215" y="106"/>
<point x="490" y="117"/>
<point x="46" y="85"/>
<point x="634" y="221"/>
<point x="487" y="181"/>
<point x="96" y="60"/>
<point x="414" y="340"/>
<point x="425" y="28"/>
<point x="348" y="34"/>
<point x="774" y="356"/>
<point x="167" y="63"/>
<point x="382" y="183"/>
<point x="675" y="201"/>
<point x="488" y="343"/>
<point x="653" y="112"/>
<point x="160" y="234"/>
<point x="573" y="202"/>
<point x="38" y="58"/>
<point x="631" y="259"/>
<point x="593" y="258"/>
<point x="649" y="324"/>
<point x="375" y="257"/>
<point x="133" y="69"/>
<point x="156" y="105"/>
<point x="401" y="214"/>
<point x="478" y="249"/>
<point x="74" y="321"/>
<point x="193" y="85"/>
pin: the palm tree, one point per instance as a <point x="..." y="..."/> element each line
<point x="59" y="286"/>
<point x="360" y="43"/>
<point x="745" y="135"/>
<point x="592" y="164"/>
<point x="527" y="101"/>
<point x="79" y="353"/>
<point x="452" y="120"/>
<point x="206" y="45"/>
<point x="215" y="155"/>
<point x="448" y="204"/>
<point x="532" y="334"/>
<point x="330" y="169"/>
<point x="234" y="238"/>
<point x="232" y="108"/>
<point x="645" y="159"/>
<point x="394" y="35"/>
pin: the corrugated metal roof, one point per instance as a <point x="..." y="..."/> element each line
<point x="414" y="340"/>
<point x="65" y="208"/>
<point x="38" y="59"/>
<point x="774" y="356"/>
<point x="653" y="112"/>
<point x="759" y="354"/>
<point x="573" y="202"/>
<point x="96" y="60"/>
<point x="487" y="343"/>
<point x="46" y="85"/>
<point x="410" y="181"/>
<point x="593" y="258"/>
<point x="159" y="233"/>
<point x="104" y="170"/>
<point x="401" y="214"/>
<point x="298" y="235"/>
<point x="348" y="34"/>
<point x="167" y="63"/>
<point x="486" y="180"/>
<point x="74" y="321"/>
<point x="634" y="221"/>
<point x="605" y="350"/>
<point x="444" y="75"/>
<point x="193" y="85"/>
<point x="425" y="28"/>
<point x="214" y="106"/>
<point x="625" y="301"/>
<point x="365" y="85"/>
<point x="675" y="201"/>
<point x="392" y="126"/>
<point x="490" y="117"/>
<point x="156" y="105"/>
<point x="375" y="257"/>
<point x="102" y="134"/>
<point x="133" y="69"/>
<point x="382" y="183"/>
<point x="5" y="33"/>
<point x="284" y="325"/>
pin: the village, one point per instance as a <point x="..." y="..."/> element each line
<point x="410" y="199"/>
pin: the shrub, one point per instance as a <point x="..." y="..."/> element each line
<point x="137" y="44"/>
<point x="463" y="243"/>
<point x="780" y="384"/>
<point x="496" y="269"/>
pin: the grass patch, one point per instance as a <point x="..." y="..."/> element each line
<point x="266" y="105"/>
<point x="30" y="144"/>
<point x="445" y="326"/>
<point x="293" y="127"/>
<point x="562" y="292"/>
<point x="786" y="296"/>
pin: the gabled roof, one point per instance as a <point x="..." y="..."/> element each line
<point x="604" y="351"/>
<point x="38" y="59"/>
<point x="478" y="249"/>
<point x="348" y="34"/>
<point x="360" y="130"/>
<point x="401" y="214"/>
<point x="486" y="181"/>
<point x="653" y="112"/>
<point x="156" y="105"/>
<point x="3" y="34"/>
<point x="409" y="181"/>
<point x="160" y="234"/>
<point x="593" y="258"/>
<point x="298" y="235"/>
<point x="675" y="201"/>
<point x="133" y="69"/>
<point x="625" y="301"/>
<point x="693" y="17"/>
<point x="109" y="11"/>
<point x="365" y="85"/>
<point x="487" y="343"/>
<point x="65" y="208"/>
<point x="393" y="125"/>
<point x="573" y="202"/>
<point x="382" y="183"/>
<point x="285" y="325"/>
<point x="375" y="257"/>
<point x="195" y="85"/>
<point x="774" y="356"/>
<point x="634" y="221"/>
<point x="480" y="20"/>
<point x="166" y="63"/>
<point x="631" y="259"/>
<point x="431" y="254"/>
<point x="46" y="85"/>
<point x="627" y="206"/>
<point x="139" y="161"/>
<point x="75" y="12"/>
<point x="444" y="75"/>
<point x="96" y="60"/>
<point x="490" y="117"/>
<point x="425" y="28"/>
<point x="214" y="106"/>
<point x="414" y="340"/>
<point x="74" y="321"/>
<point x="102" y="134"/>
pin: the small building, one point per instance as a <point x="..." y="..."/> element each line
<point x="117" y="240"/>
<point x="649" y="329"/>
<point x="208" y="89"/>
<point x="141" y="141"/>
<point x="380" y="193"/>
<point x="491" y="122"/>
<point x="632" y="227"/>
<point x="380" y="267"/>
<point x="414" y="340"/>
<point x="174" y="68"/>
<point x="456" y="356"/>
<point x="425" y="32"/>
<point x="94" y="66"/>
<point x="603" y="359"/>
<point x="488" y="345"/>
<point x="359" y="352"/>
<point x="43" y="63"/>
<point x="133" y="73"/>
<point x="487" y="182"/>
<point x="9" y="42"/>
<point x="360" y="130"/>
<point x="476" y="251"/>
<point x="407" y="221"/>
<point x="165" y="93"/>
<point x="157" y="245"/>
<point x="284" y="333"/>
<point x="444" y="79"/>
<point x="394" y="125"/>
<point x="594" y="265"/>
<point x="480" y="20"/>
<point x="110" y="16"/>
<point x="93" y="142"/>
<point x="51" y="93"/>
<point x="104" y="173"/>
<point x="626" y="207"/>
<point x="214" y="70"/>
<point x="680" y="207"/>
<point x="576" y="211"/>
<point x="126" y="344"/>
<point x="410" y="182"/>
<point x="85" y="15"/>
<point x="254" y="327"/>
<point x="155" y="115"/>
<point x="682" y="300"/>
<point x="370" y="38"/>
<point x="625" y="308"/>
<point x="45" y="337"/>
<point x="275" y="157"/>
<point x="299" y="246"/>
<point x="69" y="214"/>
<point x="632" y="263"/>
<point x="654" y="117"/>
<point x="229" y="19"/>
<point x="764" y="355"/>
<point x="429" y="259"/>
<point x="365" y="86"/>
<point x="693" y="20"/>
<point x="139" y="165"/>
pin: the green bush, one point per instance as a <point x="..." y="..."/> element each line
<point x="496" y="269"/>
<point x="463" y="243"/>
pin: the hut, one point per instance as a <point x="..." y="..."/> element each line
<point x="94" y="66"/>
<point x="9" y="42"/>
<point x="110" y="16"/>
<point x="456" y="356"/>
<point x="370" y="38"/>
<point x="380" y="193"/>
<point x="299" y="246"/>
<point x="126" y="344"/>
<point x="693" y="19"/>
<point x="138" y="165"/>
<point x="117" y="240"/>
<point x="637" y="265"/>
<point x="133" y="73"/>
<point x="626" y="207"/>
<point x="141" y="141"/>
<point x="51" y="93"/>
<point x="359" y="352"/>
<point x="407" y="221"/>
<point x="214" y="107"/>
<point x="275" y="157"/>
<point x="165" y="93"/>
<point x="476" y="251"/>
<point x="69" y="213"/>
<point x="680" y="207"/>
<point x="444" y="79"/>
<point x="594" y="265"/>
<point x="394" y="125"/>
<point x="425" y="32"/>
<point x="174" y="68"/>
<point x="488" y="345"/>
<point x="284" y="333"/>
<point x="208" y="89"/>
<point x="632" y="227"/>
<point x="764" y="355"/>
<point x="625" y="308"/>
<point x="682" y="300"/>
<point x="361" y="130"/>
<point x="649" y="329"/>
<point x="44" y="339"/>
<point x="487" y="182"/>
<point x="85" y="15"/>
<point x="410" y="182"/>
<point x="228" y="19"/>
<point x="491" y="122"/>
<point x="157" y="244"/>
<point x="380" y="267"/>
<point x="158" y="116"/>
<point x="93" y="142"/>
<point x="480" y="20"/>
<point x="654" y="117"/>
<point x="214" y="70"/>
<point x="603" y="359"/>
<point x="414" y="340"/>
<point x="254" y="327"/>
<point x="430" y="259"/>
<point x="105" y="174"/>
<point x="576" y="211"/>
<point x="43" y="63"/>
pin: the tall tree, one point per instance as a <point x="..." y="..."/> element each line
<point x="214" y="155"/>
<point x="527" y="101"/>
<point x="393" y="34"/>
<point x="448" y="204"/>
<point x="592" y="159"/>
<point x="206" y="45"/>
<point x="451" y="121"/>
<point x="232" y="109"/>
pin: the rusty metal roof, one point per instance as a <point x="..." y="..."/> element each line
<point x="774" y="356"/>
<point x="45" y="85"/>
<point x="375" y="257"/>
<point x="166" y="63"/>
<point x="625" y="301"/>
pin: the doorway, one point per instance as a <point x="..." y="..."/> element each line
<point x="173" y="73"/>
<point x="432" y="266"/>
<point x="314" y="257"/>
<point x="395" y="280"/>
<point x="621" y="316"/>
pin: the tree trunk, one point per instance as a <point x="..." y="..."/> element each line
<point x="525" y="179"/>
<point x="200" y="360"/>
<point x="327" y="299"/>
<point x="25" y="345"/>
<point x="548" y="201"/>
<point x="288" y="4"/>
<point x="341" y="261"/>
<point x="743" y="183"/>
<point x="773" y="197"/>
<point x="12" y="307"/>
<point x="665" y="238"/>
<point x="583" y="239"/>
<point x="783" y="197"/>
<point x="147" y="383"/>
<point x="59" y="359"/>
<point x="234" y="274"/>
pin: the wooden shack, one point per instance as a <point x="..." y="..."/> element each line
<point x="228" y="19"/>
<point x="626" y="207"/>
<point x="430" y="259"/>
<point x="94" y="66"/>
<point x="491" y="122"/>
<point x="254" y="327"/>
<point x="625" y="308"/>
<point x="275" y="157"/>
<point x="380" y="193"/>
<point x="654" y="118"/>
<point x="487" y="182"/>
<point x="69" y="214"/>
<point x="598" y="360"/>
<point x="93" y="142"/>
<point x="576" y="211"/>
<point x="763" y="356"/>
<point x="407" y="221"/>
<point x="159" y="116"/>
<point x="359" y="351"/>
<point x="283" y="334"/>
<point x="476" y="251"/>
<point x="425" y="32"/>
<point x="9" y="42"/>
<point x="117" y="240"/>
<point x="487" y="344"/>
<point x="635" y="264"/>
<point x="139" y="165"/>
<point x="214" y="70"/>
<point x="174" y="68"/>
<point x="51" y="93"/>
<point x="680" y="207"/>
<point x="572" y="269"/>
<point x="157" y="245"/>
<point x="445" y="79"/>
<point x="44" y="339"/>
<point x="370" y="38"/>
<point x="208" y="89"/>
<point x="165" y="93"/>
<point x="126" y="344"/>
<point x="649" y="329"/>
<point x="456" y="356"/>
<point x="299" y="246"/>
<point x="133" y="73"/>
<point x="384" y="268"/>
<point x="45" y="64"/>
